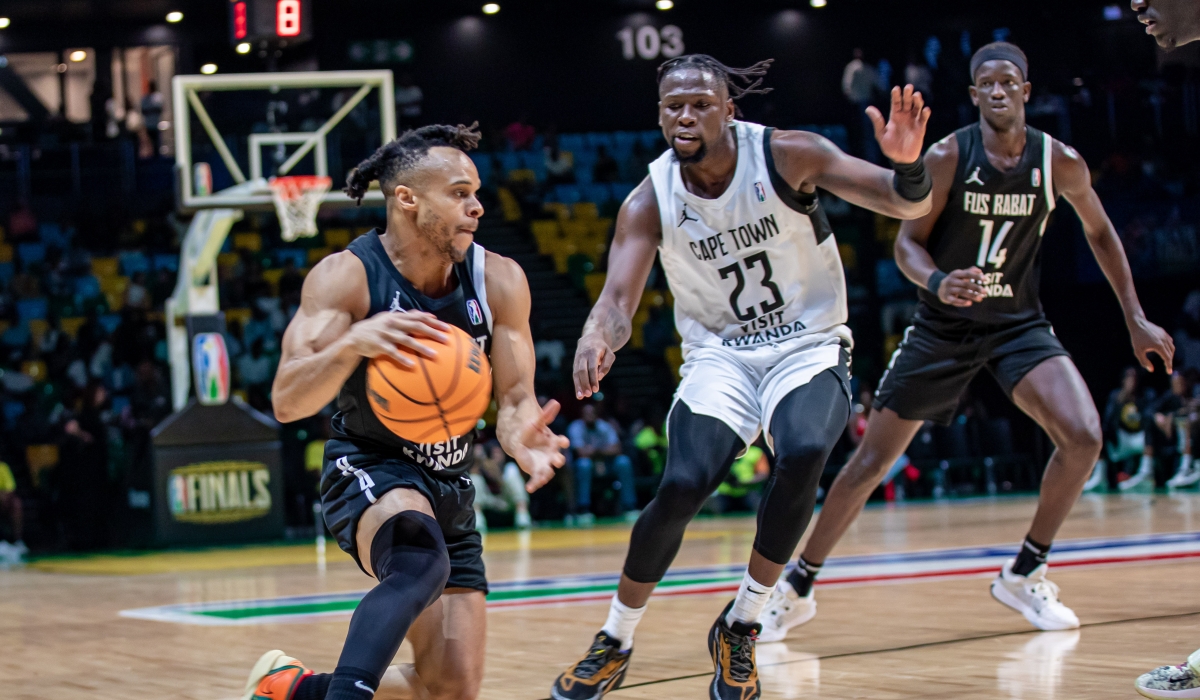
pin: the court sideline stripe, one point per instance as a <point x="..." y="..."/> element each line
<point x="910" y="647"/>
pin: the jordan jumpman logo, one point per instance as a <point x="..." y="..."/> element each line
<point x="686" y="217"/>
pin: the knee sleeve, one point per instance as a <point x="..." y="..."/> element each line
<point x="805" y="428"/>
<point x="409" y="551"/>
<point x="700" y="451"/>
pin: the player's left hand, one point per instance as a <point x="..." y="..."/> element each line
<point x="902" y="137"/>
<point x="1148" y="338"/>
<point x="538" y="450"/>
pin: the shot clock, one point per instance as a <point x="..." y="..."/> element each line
<point x="275" y="22"/>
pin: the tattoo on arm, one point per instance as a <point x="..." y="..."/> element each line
<point x="612" y="323"/>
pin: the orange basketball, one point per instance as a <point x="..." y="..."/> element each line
<point x="437" y="400"/>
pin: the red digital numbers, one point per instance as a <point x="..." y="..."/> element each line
<point x="287" y="18"/>
<point x="239" y="20"/>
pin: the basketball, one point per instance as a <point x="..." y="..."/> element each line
<point x="438" y="399"/>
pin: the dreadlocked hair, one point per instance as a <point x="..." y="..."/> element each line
<point x="739" y="81"/>
<point x="400" y="157"/>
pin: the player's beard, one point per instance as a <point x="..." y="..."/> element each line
<point x="435" y="230"/>
<point x="700" y="154"/>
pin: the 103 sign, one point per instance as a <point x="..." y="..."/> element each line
<point x="649" y="42"/>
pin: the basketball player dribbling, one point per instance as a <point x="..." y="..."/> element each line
<point x="760" y="301"/>
<point x="976" y="260"/>
<point x="1172" y="23"/>
<point x="405" y="517"/>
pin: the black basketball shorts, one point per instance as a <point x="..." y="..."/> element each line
<point x="354" y="478"/>
<point x="934" y="364"/>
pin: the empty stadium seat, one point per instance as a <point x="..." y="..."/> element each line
<point x="247" y="241"/>
<point x="484" y="165"/>
<point x="133" y="262"/>
<point x="597" y="193"/>
<point x="566" y="194"/>
<point x="29" y="309"/>
<point x="87" y="287"/>
<point x="106" y="267"/>
<point x="653" y="140"/>
<point x="6" y="253"/>
<point x="620" y="190"/>
<point x="7" y="270"/>
<point x="316" y="255"/>
<point x="571" y="142"/>
<point x="109" y="322"/>
<point x="164" y="261"/>
<point x="337" y="237"/>
<point x="597" y="139"/>
<point x="297" y="256"/>
<point x="31" y="253"/>
<point x="71" y="325"/>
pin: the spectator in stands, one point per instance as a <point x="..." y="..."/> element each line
<point x="859" y="81"/>
<point x="82" y="471"/>
<point x="10" y="506"/>
<point x="233" y="340"/>
<point x="597" y="446"/>
<point x="256" y="371"/>
<point x="741" y="491"/>
<point x="560" y="165"/>
<point x="1187" y="335"/>
<point x="519" y="135"/>
<point x="1167" y="435"/>
<point x="606" y="168"/>
<point x="920" y="77"/>
<point x="290" y="283"/>
<point x="152" y="115"/>
<point x="136" y="294"/>
<point x="498" y="486"/>
<point x="260" y="327"/>
<point x="1124" y="432"/>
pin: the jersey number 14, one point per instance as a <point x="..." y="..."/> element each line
<point x="989" y="250"/>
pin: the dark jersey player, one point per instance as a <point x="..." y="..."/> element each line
<point x="976" y="259"/>
<point x="1172" y="23"/>
<point x="404" y="511"/>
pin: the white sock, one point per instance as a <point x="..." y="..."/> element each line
<point x="1147" y="465"/>
<point x="622" y="621"/>
<point x="752" y="597"/>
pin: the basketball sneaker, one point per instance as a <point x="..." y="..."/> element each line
<point x="1035" y="597"/>
<point x="274" y="677"/>
<point x="786" y="609"/>
<point x="1187" y="475"/>
<point x="1169" y="682"/>
<point x="735" y="676"/>
<point x="602" y="669"/>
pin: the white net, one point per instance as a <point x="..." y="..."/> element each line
<point x="297" y="200"/>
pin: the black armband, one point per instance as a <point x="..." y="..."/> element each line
<point x="935" y="281"/>
<point x="912" y="180"/>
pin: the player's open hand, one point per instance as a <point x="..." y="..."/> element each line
<point x="902" y="138"/>
<point x="385" y="334"/>
<point x="538" y="451"/>
<point x="1148" y="338"/>
<point x="593" y="359"/>
<point x="962" y="288"/>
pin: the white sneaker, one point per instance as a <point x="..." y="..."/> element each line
<point x="631" y="516"/>
<point x="585" y="520"/>
<point x="1169" y="682"/>
<point x="1035" y="597"/>
<point x="785" y="610"/>
<point x="1145" y="471"/>
<point x="522" y="520"/>
<point x="1188" y="475"/>
<point x="1097" y="477"/>
<point x="9" y="554"/>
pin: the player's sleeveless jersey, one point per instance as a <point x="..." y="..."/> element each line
<point x="995" y="221"/>
<point x="465" y="307"/>
<point x="755" y="266"/>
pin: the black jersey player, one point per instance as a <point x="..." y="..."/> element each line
<point x="404" y="511"/>
<point x="976" y="259"/>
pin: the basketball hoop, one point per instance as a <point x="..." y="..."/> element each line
<point x="297" y="200"/>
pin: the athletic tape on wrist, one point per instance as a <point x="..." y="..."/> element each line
<point x="912" y="180"/>
<point x="935" y="281"/>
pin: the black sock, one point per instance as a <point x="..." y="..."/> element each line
<point x="349" y="683"/>
<point x="409" y="557"/>
<point x="1032" y="555"/>
<point x="804" y="576"/>
<point x="313" y="687"/>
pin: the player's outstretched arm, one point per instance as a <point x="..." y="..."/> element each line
<point x="808" y="161"/>
<point x="1074" y="181"/>
<point x="326" y="339"/>
<point x="522" y="427"/>
<point x="953" y="287"/>
<point x="609" y="325"/>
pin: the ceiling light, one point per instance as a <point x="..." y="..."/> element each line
<point x="491" y="8"/>
<point x="208" y="68"/>
<point x="243" y="47"/>
<point x="77" y="56"/>
<point x="664" y="4"/>
<point x="174" y="17"/>
<point x="818" y="3"/>
<point x="4" y="22"/>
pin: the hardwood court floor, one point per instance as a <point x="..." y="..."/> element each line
<point x="904" y="636"/>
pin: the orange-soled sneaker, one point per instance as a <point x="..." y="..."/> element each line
<point x="275" y="677"/>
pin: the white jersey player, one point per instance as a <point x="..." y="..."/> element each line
<point x="760" y="301"/>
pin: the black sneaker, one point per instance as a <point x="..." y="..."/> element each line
<point x="735" y="676"/>
<point x="600" y="670"/>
